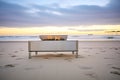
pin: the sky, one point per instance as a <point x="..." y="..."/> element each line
<point x="58" y="16"/>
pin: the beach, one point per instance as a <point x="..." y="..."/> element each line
<point x="97" y="60"/>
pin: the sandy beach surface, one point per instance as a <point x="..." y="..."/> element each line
<point x="98" y="60"/>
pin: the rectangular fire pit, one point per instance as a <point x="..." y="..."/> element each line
<point x="53" y="37"/>
<point x="53" y="45"/>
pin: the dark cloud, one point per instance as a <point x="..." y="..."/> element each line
<point x="114" y="3"/>
<point x="17" y="15"/>
<point x="12" y="14"/>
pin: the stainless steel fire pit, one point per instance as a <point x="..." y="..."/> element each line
<point x="53" y="37"/>
<point x="53" y="43"/>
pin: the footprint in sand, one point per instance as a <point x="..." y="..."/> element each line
<point x="29" y="68"/>
<point x="92" y="75"/>
<point x="21" y="49"/>
<point x="80" y="56"/>
<point x="89" y="55"/>
<point x="19" y="58"/>
<point x="90" y="48"/>
<point x="84" y="67"/>
<point x="97" y="53"/>
<point x="108" y="58"/>
<point x="109" y="64"/>
<point x="116" y="48"/>
<point x="117" y="68"/>
<point x="2" y="50"/>
<point x="85" y="51"/>
<point x="68" y="59"/>
<point x="0" y="66"/>
<point x="10" y="65"/>
<point x="1" y="54"/>
<point x="15" y="51"/>
<point x="46" y="58"/>
<point x="118" y="52"/>
<point x="103" y="51"/>
<point x="115" y="72"/>
<point x="41" y="67"/>
<point x="33" y="68"/>
<point x="13" y="56"/>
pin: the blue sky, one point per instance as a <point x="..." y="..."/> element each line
<point x="62" y="3"/>
<point x="29" y="13"/>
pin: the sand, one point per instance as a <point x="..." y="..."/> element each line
<point x="98" y="60"/>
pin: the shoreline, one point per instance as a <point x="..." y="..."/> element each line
<point x="65" y="40"/>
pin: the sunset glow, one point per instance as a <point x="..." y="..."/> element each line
<point x="95" y="29"/>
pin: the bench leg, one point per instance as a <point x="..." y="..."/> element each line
<point x="36" y="53"/>
<point x="76" y="54"/>
<point x="30" y="55"/>
<point x="72" y="52"/>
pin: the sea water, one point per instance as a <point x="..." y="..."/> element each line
<point x="70" y="37"/>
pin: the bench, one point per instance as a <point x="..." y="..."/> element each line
<point x="52" y="46"/>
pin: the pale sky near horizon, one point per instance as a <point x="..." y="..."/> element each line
<point x="19" y="17"/>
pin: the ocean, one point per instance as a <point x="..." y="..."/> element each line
<point x="70" y="37"/>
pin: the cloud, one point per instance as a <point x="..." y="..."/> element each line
<point x="11" y="14"/>
<point x="54" y="15"/>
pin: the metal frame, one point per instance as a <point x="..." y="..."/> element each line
<point x="36" y="52"/>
